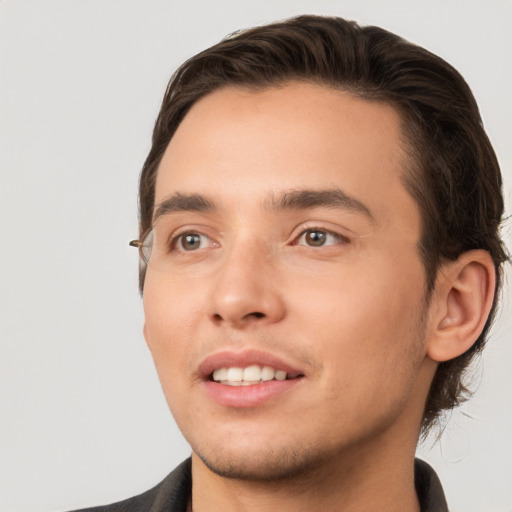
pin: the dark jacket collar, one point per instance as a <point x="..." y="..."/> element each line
<point x="172" y="494"/>
<point x="428" y="488"/>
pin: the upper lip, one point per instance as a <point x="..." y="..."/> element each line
<point x="229" y="359"/>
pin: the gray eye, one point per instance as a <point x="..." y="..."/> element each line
<point x="190" y="241"/>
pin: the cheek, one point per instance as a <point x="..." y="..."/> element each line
<point x="167" y="333"/>
<point x="168" y="308"/>
<point x="168" y="327"/>
<point x="367" y="326"/>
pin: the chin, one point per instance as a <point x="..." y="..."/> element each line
<point x="266" y="465"/>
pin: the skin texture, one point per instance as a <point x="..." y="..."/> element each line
<point x="350" y="315"/>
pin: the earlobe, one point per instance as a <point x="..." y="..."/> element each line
<point x="463" y="298"/>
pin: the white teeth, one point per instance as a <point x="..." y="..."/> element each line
<point x="267" y="373"/>
<point x="253" y="374"/>
<point x="235" y="374"/>
<point x="280" y="375"/>
<point x="221" y="374"/>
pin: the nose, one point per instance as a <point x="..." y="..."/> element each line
<point x="246" y="289"/>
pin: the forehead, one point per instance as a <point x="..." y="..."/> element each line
<point x="238" y="145"/>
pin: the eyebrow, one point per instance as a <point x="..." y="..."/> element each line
<point x="183" y="203"/>
<point x="309" y="199"/>
<point x="291" y="200"/>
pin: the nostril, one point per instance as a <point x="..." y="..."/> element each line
<point x="256" y="314"/>
<point x="218" y="318"/>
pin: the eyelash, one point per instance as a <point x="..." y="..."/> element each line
<point x="175" y="240"/>
<point x="340" y="239"/>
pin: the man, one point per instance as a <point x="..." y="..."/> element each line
<point x="320" y="261"/>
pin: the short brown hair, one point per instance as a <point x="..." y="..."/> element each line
<point x="455" y="177"/>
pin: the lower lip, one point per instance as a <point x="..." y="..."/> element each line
<point x="248" y="396"/>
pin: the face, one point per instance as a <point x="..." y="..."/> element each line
<point x="285" y="296"/>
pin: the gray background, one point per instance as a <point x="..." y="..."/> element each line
<point x="83" y="419"/>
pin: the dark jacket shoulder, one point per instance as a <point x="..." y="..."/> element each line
<point x="428" y="488"/>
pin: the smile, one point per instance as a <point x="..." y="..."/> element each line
<point x="248" y="379"/>
<point x="249" y="376"/>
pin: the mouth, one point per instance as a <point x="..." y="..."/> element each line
<point x="247" y="379"/>
<point x="250" y="375"/>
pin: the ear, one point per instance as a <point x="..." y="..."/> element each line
<point x="460" y="304"/>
